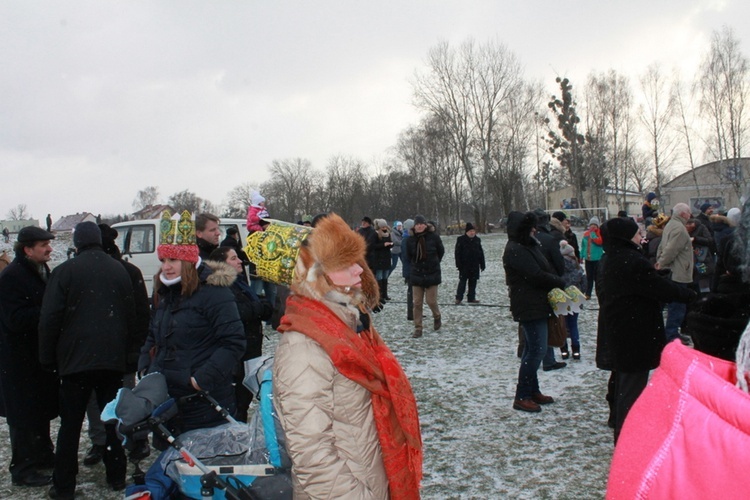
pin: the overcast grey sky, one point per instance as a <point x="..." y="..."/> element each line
<point x="99" y="99"/>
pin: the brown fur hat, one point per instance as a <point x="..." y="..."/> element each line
<point x="333" y="246"/>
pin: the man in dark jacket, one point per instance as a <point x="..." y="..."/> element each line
<point x="207" y="233"/>
<point x="425" y="251"/>
<point x="529" y="278"/>
<point x="635" y="340"/>
<point x="705" y="217"/>
<point x="368" y="232"/>
<point x="567" y="232"/>
<point x="29" y="392"/>
<point x="469" y="262"/>
<point x="87" y="332"/>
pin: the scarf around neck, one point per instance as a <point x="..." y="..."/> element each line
<point x="365" y="359"/>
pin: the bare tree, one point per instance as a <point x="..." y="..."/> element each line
<point x="290" y="192"/>
<point x="346" y="180"/>
<point x="466" y="89"/>
<point x="20" y="212"/>
<point x="146" y="197"/>
<point x="187" y="200"/>
<point x="685" y="128"/>
<point x="724" y="90"/>
<point x="656" y="115"/>
<point x="238" y="199"/>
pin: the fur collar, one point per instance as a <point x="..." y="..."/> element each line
<point x="557" y="225"/>
<point x="222" y="274"/>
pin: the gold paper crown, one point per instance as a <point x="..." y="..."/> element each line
<point x="178" y="229"/>
<point x="275" y="250"/>
<point x="177" y="237"/>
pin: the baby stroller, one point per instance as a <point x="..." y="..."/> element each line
<point x="235" y="461"/>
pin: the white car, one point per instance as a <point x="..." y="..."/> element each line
<point x="138" y="239"/>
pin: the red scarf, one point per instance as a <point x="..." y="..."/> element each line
<point x="365" y="359"/>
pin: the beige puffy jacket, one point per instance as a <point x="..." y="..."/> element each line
<point x="676" y="251"/>
<point x="328" y="420"/>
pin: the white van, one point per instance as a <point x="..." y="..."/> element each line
<point x="138" y="239"/>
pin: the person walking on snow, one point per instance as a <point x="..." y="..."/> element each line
<point x="469" y="262"/>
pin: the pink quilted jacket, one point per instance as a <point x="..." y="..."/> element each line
<point x="688" y="435"/>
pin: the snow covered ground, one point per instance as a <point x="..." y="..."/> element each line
<point x="464" y="377"/>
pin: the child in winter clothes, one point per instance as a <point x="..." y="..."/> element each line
<point x="573" y="276"/>
<point x="256" y="212"/>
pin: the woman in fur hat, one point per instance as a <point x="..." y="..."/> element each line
<point x="345" y="404"/>
<point x="196" y="337"/>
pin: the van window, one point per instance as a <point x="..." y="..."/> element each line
<point x="139" y="239"/>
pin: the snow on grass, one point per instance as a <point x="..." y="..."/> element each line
<point x="464" y="378"/>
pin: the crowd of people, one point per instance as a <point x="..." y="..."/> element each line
<point x="70" y="338"/>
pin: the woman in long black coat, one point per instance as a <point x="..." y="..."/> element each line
<point x="529" y="278"/>
<point x="630" y="303"/>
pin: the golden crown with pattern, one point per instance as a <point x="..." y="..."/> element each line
<point x="177" y="237"/>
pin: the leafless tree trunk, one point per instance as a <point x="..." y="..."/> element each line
<point x="656" y="116"/>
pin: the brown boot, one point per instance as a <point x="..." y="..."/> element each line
<point x="417" y="334"/>
<point x="437" y="324"/>
<point x="526" y="405"/>
<point x="541" y="399"/>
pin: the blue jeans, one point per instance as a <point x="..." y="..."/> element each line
<point x="676" y="312"/>
<point x="571" y="323"/>
<point x="382" y="274"/>
<point x="534" y="350"/>
<point x="395" y="257"/>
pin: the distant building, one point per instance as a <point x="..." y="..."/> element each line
<point x="68" y="222"/>
<point x="15" y="225"/>
<point x="720" y="183"/>
<point x="613" y="200"/>
<point x="151" y="212"/>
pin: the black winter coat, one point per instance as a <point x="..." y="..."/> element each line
<point x="88" y="317"/>
<point x="529" y="278"/>
<point x="469" y="256"/>
<point x="551" y="248"/>
<point x="29" y="392"/>
<point x="380" y="254"/>
<point x="425" y="266"/>
<point x="630" y="302"/>
<point x="199" y="336"/>
<point x="253" y="311"/>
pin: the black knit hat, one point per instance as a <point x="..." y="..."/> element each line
<point x="560" y="216"/>
<point x="622" y="228"/>
<point x="86" y="234"/>
<point x="419" y="219"/>
<point x="367" y="219"/>
<point x="469" y="227"/>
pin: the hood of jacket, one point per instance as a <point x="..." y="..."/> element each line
<point x="520" y="226"/>
<point x="218" y="273"/>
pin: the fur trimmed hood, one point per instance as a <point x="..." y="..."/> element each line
<point x="222" y="274"/>
<point x="556" y="224"/>
<point x="333" y="246"/>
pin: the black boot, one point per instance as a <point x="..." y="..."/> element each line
<point x="576" y="352"/>
<point x="384" y="290"/>
<point x="564" y="353"/>
<point x="381" y="299"/>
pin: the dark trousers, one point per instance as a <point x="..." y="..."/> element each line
<point x="462" y="279"/>
<point x="628" y="386"/>
<point x="591" y="267"/>
<point x="31" y="448"/>
<point x="75" y="391"/>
